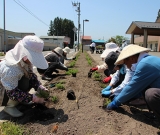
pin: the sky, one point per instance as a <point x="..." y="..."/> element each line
<point x="107" y="18"/>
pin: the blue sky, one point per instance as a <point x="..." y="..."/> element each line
<point x="107" y="18"/>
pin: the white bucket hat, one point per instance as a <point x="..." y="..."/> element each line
<point x="109" y="48"/>
<point x="128" y="51"/>
<point x="59" y="51"/>
<point x="66" y="50"/>
<point x="30" y="47"/>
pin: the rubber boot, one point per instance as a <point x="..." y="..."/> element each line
<point x="11" y="109"/>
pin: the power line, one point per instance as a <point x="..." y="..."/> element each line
<point x="24" y="7"/>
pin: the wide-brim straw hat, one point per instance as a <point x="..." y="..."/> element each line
<point x="109" y="48"/>
<point x="128" y="51"/>
<point x="31" y="47"/>
<point x="59" y="51"/>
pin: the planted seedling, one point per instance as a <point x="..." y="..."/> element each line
<point x="60" y="86"/>
<point x="54" y="99"/>
<point x="106" y="101"/>
<point x="43" y="94"/>
<point x="97" y="76"/>
<point x="72" y="64"/>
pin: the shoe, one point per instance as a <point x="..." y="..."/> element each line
<point x="46" y="78"/>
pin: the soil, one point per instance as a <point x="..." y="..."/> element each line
<point x="85" y="115"/>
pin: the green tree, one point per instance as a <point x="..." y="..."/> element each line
<point x="50" y="33"/>
<point x="62" y="27"/>
<point x="117" y="39"/>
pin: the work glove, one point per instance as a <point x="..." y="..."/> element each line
<point x="37" y="99"/>
<point x="107" y="79"/>
<point x="112" y="105"/>
<point x="108" y="88"/>
<point x="106" y="93"/>
<point x="93" y="69"/>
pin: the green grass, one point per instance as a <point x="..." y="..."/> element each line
<point x="11" y="128"/>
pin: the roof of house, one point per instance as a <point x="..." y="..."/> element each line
<point x="137" y="28"/>
<point x="51" y="37"/>
<point x="99" y="41"/>
<point x="86" y="37"/>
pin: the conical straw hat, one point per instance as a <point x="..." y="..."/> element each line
<point x="128" y="51"/>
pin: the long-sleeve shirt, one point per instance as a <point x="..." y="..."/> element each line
<point x="147" y="74"/>
<point x="128" y="77"/>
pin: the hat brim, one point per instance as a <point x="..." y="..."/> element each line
<point x="36" y="58"/>
<point x="129" y="51"/>
<point x="107" y="51"/>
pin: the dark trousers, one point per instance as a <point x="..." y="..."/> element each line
<point x="152" y="97"/>
<point x="51" y="68"/>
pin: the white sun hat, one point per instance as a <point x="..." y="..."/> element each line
<point x="59" y="51"/>
<point x="31" y="47"/>
<point x="66" y="50"/>
<point x="109" y="47"/>
<point x="128" y="51"/>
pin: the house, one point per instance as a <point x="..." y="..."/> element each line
<point x="146" y="34"/>
<point x="86" y="41"/>
<point x="54" y="41"/>
<point x="11" y="38"/>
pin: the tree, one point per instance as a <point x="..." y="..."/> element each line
<point x="62" y="27"/>
<point x="117" y="39"/>
<point x="50" y="29"/>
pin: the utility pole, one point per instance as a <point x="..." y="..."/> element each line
<point x="78" y="10"/>
<point x="4" y="29"/>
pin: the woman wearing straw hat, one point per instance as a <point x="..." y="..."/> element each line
<point x="17" y="77"/>
<point x="146" y="78"/>
<point x="66" y="51"/>
<point x="54" y="63"/>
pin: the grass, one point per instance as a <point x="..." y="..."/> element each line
<point x="10" y="128"/>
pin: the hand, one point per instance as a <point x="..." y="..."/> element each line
<point x="106" y="93"/>
<point x="36" y="99"/>
<point x="108" y="88"/>
<point x="107" y="79"/>
<point x="93" y="69"/>
<point x="112" y="105"/>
